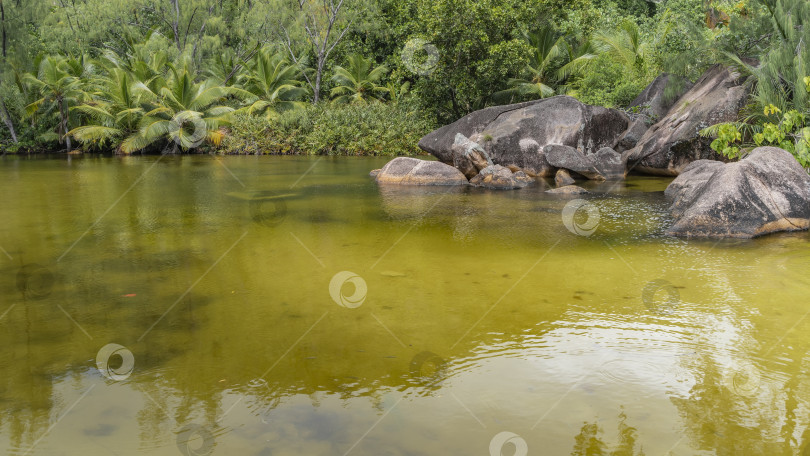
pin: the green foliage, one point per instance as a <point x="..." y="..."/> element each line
<point x="788" y="131"/>
<point x="478" y="48"/>
<point x="552" y="62"/>
<point x="608" y="83"/>
<point x="727" y="135"/>
<point x="781" y="75"/>
<point x="134" y="75"/>
<point x="58" y="85"/>
<point x="359" y="81"/>
<point x="275" y="84"/>
<point x="182" y="110"/>
<point x="114" y="112"/>
<point x="333" y="129"/>
<point x="782" y="88"/>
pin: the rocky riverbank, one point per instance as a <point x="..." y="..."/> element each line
<point x="509" y="147"/>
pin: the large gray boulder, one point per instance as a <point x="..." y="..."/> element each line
<point x="766" y="192"/>
<point x="674" y="142"/>
<point x="514" y="135"/>
<point x="410" y="171"/>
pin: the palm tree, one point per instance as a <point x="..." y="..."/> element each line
<point x="781" y="75"/>
<point x="551" y="63"/>
<point x="274" y="83"/>
<point x="627" y="46"/>
<point x="358" y="81"/>
<point x="398" y="92"/>
<point x="578" y="58"/>
<point x="143" y="64"/>
<point x="183" y="111"/>
<point x="223" y="66"/>
<point x="58" y="83"/>
<point x="114" y="112"/>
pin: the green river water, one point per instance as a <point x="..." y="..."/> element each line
<point x="473" y="322"/>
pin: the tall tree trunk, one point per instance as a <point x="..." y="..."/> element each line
<point x="319" y="34"/>
<point x="65" y="124"/>
<point x="7" y="120"/>
<point x="202" y="31"/>
<point x="318" y="75"/>
<point x="176" y="24"/>
<point x="3" y="20"/>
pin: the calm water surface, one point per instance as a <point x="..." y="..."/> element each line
<point x="466" y="314"/>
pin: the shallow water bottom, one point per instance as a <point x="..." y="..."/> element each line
<point x="289" y="305"/>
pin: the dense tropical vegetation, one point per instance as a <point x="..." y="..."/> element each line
<point x="369" y="76"/>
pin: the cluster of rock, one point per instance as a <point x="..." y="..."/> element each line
<point x="562" y="135"/>
<point x="509" y="147"/>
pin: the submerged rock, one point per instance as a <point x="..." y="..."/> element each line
<point x="766" y="192"/>
<point x="568" y="190"/>
<point x="500" y="177"/>
<point x="514" y="135"/>
<point x="674" y="142"/>
<point x="410" y="171"/>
